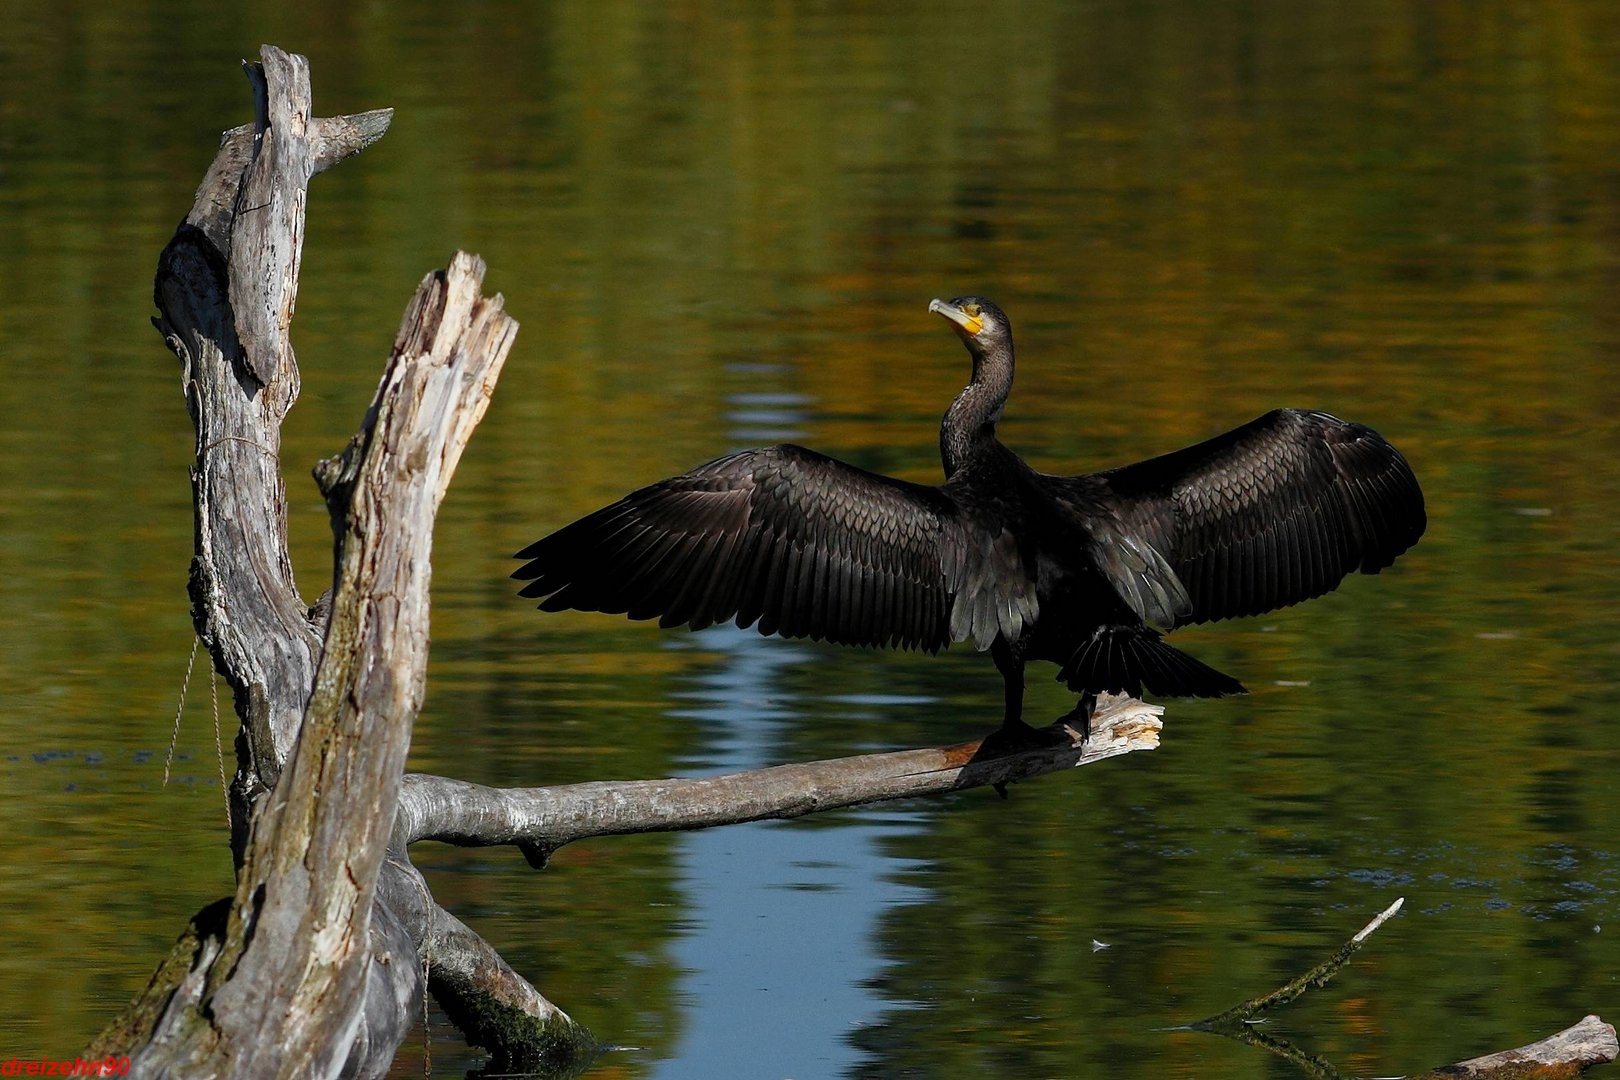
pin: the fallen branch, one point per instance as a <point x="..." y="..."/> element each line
<point x="1568" y="1053"/>
<point x="541" y="820"/>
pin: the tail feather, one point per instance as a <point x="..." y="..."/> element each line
<point x="1130" y="659"/>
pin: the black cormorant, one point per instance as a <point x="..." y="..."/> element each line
<point x="1083" y="571"/>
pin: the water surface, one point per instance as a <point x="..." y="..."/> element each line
<point x="721" y="226"/>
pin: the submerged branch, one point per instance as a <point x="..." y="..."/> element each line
<point x="492" y="1005"/>
<point x="1557" y="1057"/>
<point x="541" y="820"/>
<point x="1313" y="978"/>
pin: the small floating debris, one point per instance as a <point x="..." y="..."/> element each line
<point x="1099" y="946"/>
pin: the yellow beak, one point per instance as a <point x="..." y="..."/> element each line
<point x="969" y="324"/>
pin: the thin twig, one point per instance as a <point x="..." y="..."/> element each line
<point x="219" y="745"/>
<point x="180" y="707"/>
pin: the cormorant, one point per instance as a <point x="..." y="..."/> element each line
<point x="1083" y="571"/>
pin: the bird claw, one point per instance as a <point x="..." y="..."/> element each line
<point x="1075" y="736"/>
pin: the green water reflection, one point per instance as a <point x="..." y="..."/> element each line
<point x="720" y="225"/>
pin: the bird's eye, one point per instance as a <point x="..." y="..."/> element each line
<point x="971" y="309"/>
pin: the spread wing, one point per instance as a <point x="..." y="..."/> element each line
<point x="1269" y="514"/>
<point x="802" y="544"/>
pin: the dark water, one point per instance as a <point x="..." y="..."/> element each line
<point x="720" y="225"/>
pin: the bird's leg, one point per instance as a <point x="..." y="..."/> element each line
<point x="1011" y="666"/>
<point x="1014" y="734"/>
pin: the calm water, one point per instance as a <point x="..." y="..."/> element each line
<point x="720" y="225"/>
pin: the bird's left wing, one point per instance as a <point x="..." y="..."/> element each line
<point x="1266" y="515"/>
<point x="802" y="544"/>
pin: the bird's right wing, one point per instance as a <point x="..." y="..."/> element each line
<point x="802" y="544"/>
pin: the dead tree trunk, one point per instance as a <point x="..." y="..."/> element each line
<point x="315" y="966"/>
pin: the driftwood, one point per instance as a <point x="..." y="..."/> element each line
<point x="1557" y="1057"/>
<point x="316" y="966"/>
<point x="1568" y="1053"/>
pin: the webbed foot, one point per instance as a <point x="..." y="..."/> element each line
<point x="1017" y="737"/>
<point x="1078" y="719"/>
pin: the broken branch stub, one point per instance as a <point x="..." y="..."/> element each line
<point x="311" y="873"/>
<point x="1557" y="1057"/>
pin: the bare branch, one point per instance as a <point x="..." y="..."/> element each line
<point x="337" y="137"/>
<point x="541" y="820"/>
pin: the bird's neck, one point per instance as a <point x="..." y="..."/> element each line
<point x="969" y="427"/>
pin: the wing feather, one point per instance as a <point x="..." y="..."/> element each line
<point x="1274" y="512"/>
<point x="784" y="538"/>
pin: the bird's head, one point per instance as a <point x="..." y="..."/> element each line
<point x="983" y="325"/>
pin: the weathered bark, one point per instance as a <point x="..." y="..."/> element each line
<point x="292" y="998"/>
<point x="541" y="820"/>
<point x="307" y="971"/>
<point x="1557" y="1057"/>
<point x="245" y="605"/>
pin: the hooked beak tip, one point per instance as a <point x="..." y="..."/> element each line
<point x="966" y="324"/>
